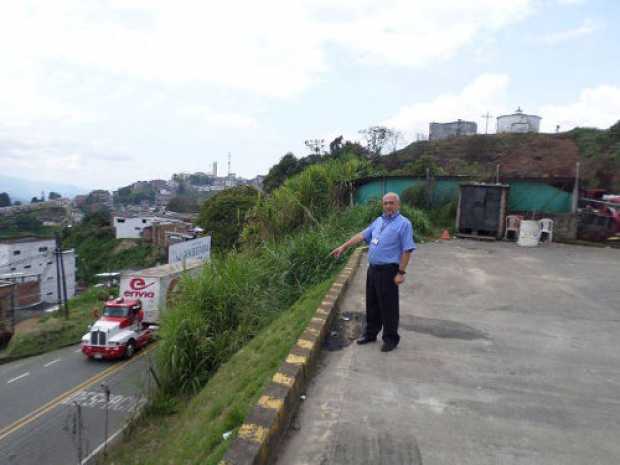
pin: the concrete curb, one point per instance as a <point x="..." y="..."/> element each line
<point x="266" y="424"/>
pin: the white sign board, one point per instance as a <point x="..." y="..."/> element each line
<point x="196" y="249"/>
<point x="145" y="289"/>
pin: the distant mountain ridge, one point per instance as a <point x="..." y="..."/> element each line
<point x="25" y="189"/>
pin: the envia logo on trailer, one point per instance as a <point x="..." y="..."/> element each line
<point x="137" y="289"/>
<point x="196" y="249"/>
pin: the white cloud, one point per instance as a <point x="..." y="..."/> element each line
<point x="586" y="28"/>
<point x="271" y="47"/>
<point x="487" y="93"/>
<point x="596" y="107"/>
<point x="219" y="119"/>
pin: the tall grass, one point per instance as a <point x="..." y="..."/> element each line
<point x="240" y="293"/>
<point x="285" y="249"/>
<point x="236" y="296"/>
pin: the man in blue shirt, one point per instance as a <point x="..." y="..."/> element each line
<point x="390" y="239"/>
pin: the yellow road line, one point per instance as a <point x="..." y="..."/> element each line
<point x="10" y="429"/>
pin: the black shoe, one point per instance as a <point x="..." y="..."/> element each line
<point x="366" y="340"/>
<point x="388" y="347"/>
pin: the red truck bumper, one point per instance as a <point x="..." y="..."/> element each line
<point x="104" y="353"/>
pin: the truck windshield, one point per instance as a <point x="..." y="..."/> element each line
<point x="115" y="311"/>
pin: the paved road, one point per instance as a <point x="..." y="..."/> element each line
<point x="39" y="421"/>
<point x="508" y="356"/>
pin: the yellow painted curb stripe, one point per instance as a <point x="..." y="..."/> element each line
<point x="7" y="430"/>
<point x="281" y="378"/>
<point x="313" y="331"/>
<point x="318" y="320"/>
<point x="296" y="359"/>
<point x="305" y="344"/>
<point x="270" y="402"/>
<point x="322" y="311"/>
<point x="254" y="433"/>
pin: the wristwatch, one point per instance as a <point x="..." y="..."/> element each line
<point x="402" y="272"/>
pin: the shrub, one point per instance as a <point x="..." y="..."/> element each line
<point x="414" y="196"/>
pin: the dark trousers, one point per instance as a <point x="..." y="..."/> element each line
<point x="382" y="302"/>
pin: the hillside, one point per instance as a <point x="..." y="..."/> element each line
<point x="520" y="155"/>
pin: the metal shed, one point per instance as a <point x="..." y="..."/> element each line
<point x="481" y="211"/>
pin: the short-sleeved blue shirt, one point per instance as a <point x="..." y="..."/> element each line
<point x="388" y="238"/>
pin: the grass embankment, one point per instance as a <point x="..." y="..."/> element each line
<point x="52" y="331"/>
<point x="230" y="328"/>
<point x="192" y="433"/>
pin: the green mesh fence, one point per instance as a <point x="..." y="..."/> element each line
<point x="524" y="196"/>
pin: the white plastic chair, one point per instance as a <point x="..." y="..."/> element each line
<point x="546" y="229"/>
<point x="513" y="224"/>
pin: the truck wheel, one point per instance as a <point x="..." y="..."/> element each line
<point x="131" y="349"/>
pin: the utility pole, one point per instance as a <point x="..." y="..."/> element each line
<point x="487" y="117"/>
<point x="59" y="258"/>
<point x="57" y="253"/>
<point x="575" y="202"/>
<point x="229" y="170"/>
<point x="106" y="391"/>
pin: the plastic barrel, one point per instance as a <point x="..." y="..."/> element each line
<point x="529" y="234"/>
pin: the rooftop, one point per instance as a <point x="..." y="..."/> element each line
<point x="25" y="240"/>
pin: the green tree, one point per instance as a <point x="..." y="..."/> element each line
<point x="98" y="219"/>
<point x="183" y="204"/>
<point x="377" y="137"/>
<point x="278" y="173"/>
<point x="5" y="200"/>
<point x="28" y="223"/>
<point x="224" y="215"/>
<point x="336" y="146"/>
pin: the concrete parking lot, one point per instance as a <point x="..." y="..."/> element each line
<point x="508" y="355"/>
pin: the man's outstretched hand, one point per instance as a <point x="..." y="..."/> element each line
<point x="337" y="252"/>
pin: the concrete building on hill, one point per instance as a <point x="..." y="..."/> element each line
<point x="518" y="122"/>
<point x="438" y="131"/>
<point x="131" y="227"/>
<point x="30" y="262"/>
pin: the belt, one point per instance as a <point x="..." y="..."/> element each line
<point x="385" y="266"/>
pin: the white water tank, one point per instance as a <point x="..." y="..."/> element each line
<point x="518" y="122"/>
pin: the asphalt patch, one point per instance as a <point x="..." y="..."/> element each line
<point x="346" y="328"/>
<point x="441" y="328"/>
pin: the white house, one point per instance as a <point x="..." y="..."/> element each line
<point x="32" y="258"/>
<point x="132" y="227"/>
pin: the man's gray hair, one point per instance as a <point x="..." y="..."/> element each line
<point x="392" y="194"/>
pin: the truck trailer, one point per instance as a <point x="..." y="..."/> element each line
<point x="130" y="321"/>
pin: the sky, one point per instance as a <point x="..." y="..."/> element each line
<point x="102" y="93"/>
